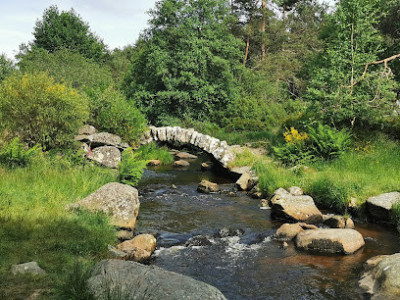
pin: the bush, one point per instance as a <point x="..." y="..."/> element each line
<point x="67" y="66"/>
<point x="40" y="111"/>
<point x="328" y="142"/>
<point x="15" y="154"/>
<point x="320" y="142"/>
<point x="112" y="112"/>
<point x="296" y="149"/>
<point x="131" y="167"/>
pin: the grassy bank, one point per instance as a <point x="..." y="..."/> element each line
<point x="356" y="175"/>
<point x="34" y="225"/>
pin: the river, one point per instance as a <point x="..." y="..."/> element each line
<point x="251" y="265"/>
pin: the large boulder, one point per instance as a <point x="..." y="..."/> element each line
<point x="380" y="207"/>
<point x="107" y="156"/>
<point x="139" y="248"/>
<point x="31" y="268"/>
<point x="131" y="280"/>
<point x="118" y="200"/>
<point x="382" y="277"/>
<point x="345" y="241"/>
<point x="246" y="182"/>
<point x="295" y="208"/>
<point x="207" y="187"/>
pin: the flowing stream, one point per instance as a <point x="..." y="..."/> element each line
<point x="251" y="265"/>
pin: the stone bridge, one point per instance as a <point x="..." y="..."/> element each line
<point x="220" y="150"/>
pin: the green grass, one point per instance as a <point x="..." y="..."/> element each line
<point x="152" y="152"/>
<point x="356" y="174"/>
<point x="34" y="225"/>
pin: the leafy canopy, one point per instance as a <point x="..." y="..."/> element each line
<point x="187" y="65"/>
<point x="59" y="30"/>
<point x="352" y="40"/>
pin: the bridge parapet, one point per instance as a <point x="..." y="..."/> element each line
<point x="220" y="150"/>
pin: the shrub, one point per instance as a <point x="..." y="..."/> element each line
<point x="328" y="142"/>
<point x="296" y="148"/>
<point x="111" y="111"/>
<point x="15" y="154"/>
<point x="320" y="142"/>
<point x="67" y="66"/>
<point x="40" y="111"/>
<point x="131" y="167"/>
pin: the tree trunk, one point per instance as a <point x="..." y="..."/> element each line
<point x="263" y="26"/>
<point x="284" y="14"/>
<point x="247" y="50"/>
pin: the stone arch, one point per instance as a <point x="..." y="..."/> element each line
<point x="220" y="150"/>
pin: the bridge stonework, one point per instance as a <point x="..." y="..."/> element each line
<point x="220" y="150"/>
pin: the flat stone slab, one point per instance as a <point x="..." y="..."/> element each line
<point x="185" y="155"/>
<point x="295" y="208"/>
<point x="346" y="241"/>
<point x="120" y="201"/>
<point x="380" y="207"/>
<point x="131" y="280"/>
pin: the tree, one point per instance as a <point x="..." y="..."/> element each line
<point x="352" y="41"/>
<point x="188" y="63"/>
<point x="66" y="30"/>
<point x="6" y="67"/>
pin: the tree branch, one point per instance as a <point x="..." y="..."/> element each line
<point x="383" y="61"/>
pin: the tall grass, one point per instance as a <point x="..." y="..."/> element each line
<point x="356" y="174"/>
<point x="35" y="226"/>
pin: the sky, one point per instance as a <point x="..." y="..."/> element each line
<point x="117" y="22"/>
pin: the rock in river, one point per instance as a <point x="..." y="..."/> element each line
<point x="295" y="208"/>
<point x="380" y="207"/>
<point x="185" y="155"/>
<point x="131" y="280"/>
<point x="382" y="277"/>
<point x="207" y="187"/>
<point x="139" y="248"/>
<point x="345" y="241"/>
<point x="181" y="163"/>
<point x="288" y="232"/>
<point x="118" y="200"/>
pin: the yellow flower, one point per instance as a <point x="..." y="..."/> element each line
<point x="294" y="136"/>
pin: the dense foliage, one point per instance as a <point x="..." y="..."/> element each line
<point x="66" y="30"/>
<point x="41" y="111"/>
<point x="188" y="63"/>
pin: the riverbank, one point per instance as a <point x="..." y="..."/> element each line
<point x="34" y="225"/>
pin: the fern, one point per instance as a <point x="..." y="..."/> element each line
<point x="327" y="142"/>
<point x="131" y="167"/>
<point x="15" y="154"/>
